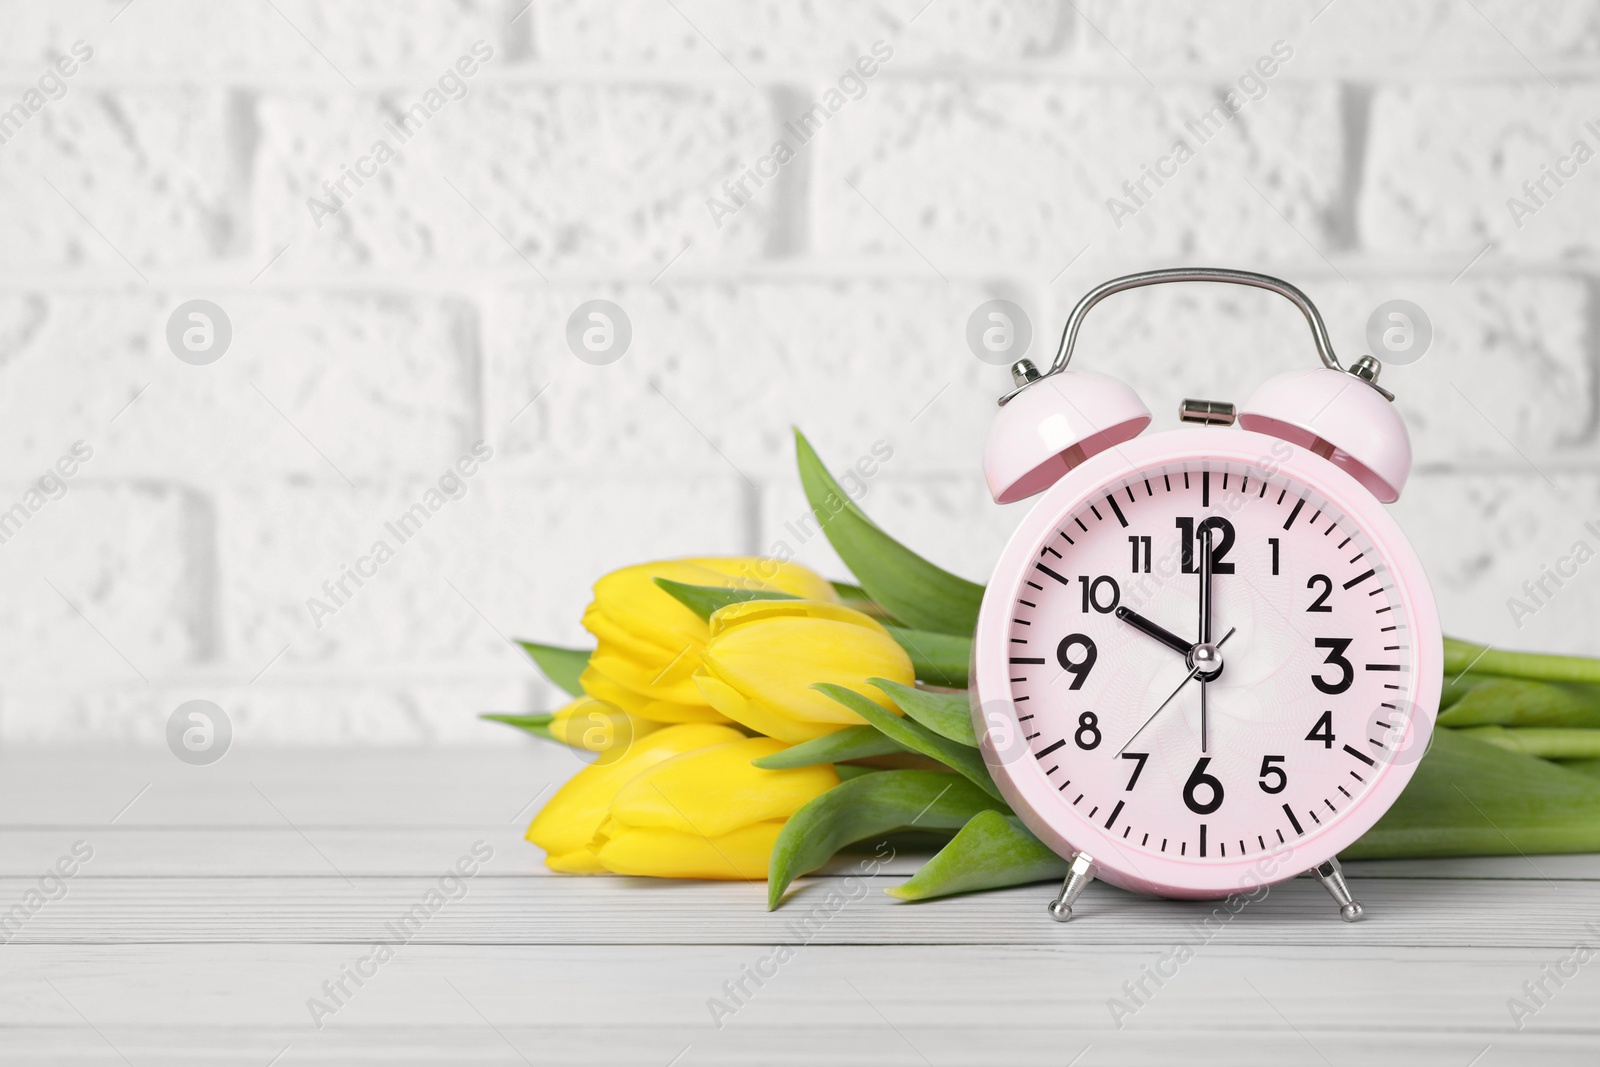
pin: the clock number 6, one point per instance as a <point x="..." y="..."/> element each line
<point x="1200" y="778"/>
<point x="1081" y="668"/>
<point x="1347" y="673"/>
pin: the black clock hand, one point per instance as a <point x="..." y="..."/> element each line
<point x="1193" y="672"/>
<point x="1205" y="627"/>
<point x="1160" y="633"/>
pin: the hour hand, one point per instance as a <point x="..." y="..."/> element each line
<point x="1160" y="633"/>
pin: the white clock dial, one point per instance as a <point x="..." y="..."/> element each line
<point x="1314" y="695"/>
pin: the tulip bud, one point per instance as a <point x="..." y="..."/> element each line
<point x="764" y="656"/>
<point x="568" y="822"/>
<point x="707" y="813"/>
<point x="649" y="644"/>
<point x="598" y="727"/>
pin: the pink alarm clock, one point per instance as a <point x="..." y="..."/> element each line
<point x="1208" y="659"/>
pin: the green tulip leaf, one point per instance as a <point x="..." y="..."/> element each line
<point x="538" y="724"/>
<point x="907" y="586"/>
<point x="562" y="666"/>
<point x="990" y="852"/>
<point x="938" y="659"/>
<point x="947" y="714"/>
<point x="916" y="737"/>
<point x="1469" y="798"/>
<point x="704" y="600"/>
<point x="1523" y="702"/>
<point x="853" y="742"/>
<point x="848" y="591"/>
<point x="864" y="807"/>
<point x="1542" y="741"/>
<point x="1461" y="656"/>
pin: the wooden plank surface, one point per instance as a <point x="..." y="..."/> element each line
<point x="221" y="899"/>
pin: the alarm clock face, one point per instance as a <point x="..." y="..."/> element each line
<point x="1322" y="624"/>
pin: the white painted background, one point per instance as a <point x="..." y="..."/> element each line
<point x="370" y="352"/>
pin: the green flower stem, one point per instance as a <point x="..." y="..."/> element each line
<point x="1542" y="741"/>
<point x="1460" y="656"/>
<point x="1522" y="702"/>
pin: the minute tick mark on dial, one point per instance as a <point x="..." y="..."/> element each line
<point x="1051" y="573"/>
<point x="1358" y="579"/>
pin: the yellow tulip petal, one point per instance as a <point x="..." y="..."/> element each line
<point x="583" y="861"/>
<point x="773" y="652"/>
<point x="740" y="855"/>
<point x="640" y="706"/>
<point x="568" y="821"/>
<point x="757" y="716"/>
<point x="598" y="726"/>
<point x="714" y="791"/>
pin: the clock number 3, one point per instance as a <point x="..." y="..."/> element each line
<point x="1347" y="673"/>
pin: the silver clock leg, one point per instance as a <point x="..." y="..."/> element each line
<point x="1079" y="875"/>
<point x="1331" y="875"/>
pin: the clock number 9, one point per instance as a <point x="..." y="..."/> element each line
<point x="1081" y="668"/>
<point x="1200" y="778"/>
<point x="1347" y="673"/>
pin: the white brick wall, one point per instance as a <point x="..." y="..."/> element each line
<point x="373" y="349"/>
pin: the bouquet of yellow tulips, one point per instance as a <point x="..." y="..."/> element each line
<point x="749" y="719"/>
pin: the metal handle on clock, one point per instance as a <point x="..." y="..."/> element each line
<point x="1069" y="335"/>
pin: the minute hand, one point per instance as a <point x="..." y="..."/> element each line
<point x="1205" y="629"/>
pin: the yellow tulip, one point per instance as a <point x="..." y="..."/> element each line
<point x="598" y="727"/>
<point x="765" y="655"/>
<point x="568" y="822"/>
<point x="649" y="644"/>
<point x="707" y="813"/>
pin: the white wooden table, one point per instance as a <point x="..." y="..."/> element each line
<point x="220" y="899"/>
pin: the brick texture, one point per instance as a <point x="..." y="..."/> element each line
<point x="794" y="243"/>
